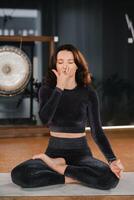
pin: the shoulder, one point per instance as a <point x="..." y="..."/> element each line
<point x="44" y="88"/>
<point x="92" y="93"/>
<point x="91" y="90"/>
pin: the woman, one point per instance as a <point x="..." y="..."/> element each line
<point x="67" y="103"/>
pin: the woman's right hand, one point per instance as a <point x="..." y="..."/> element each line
<point x="62" y="78"/>
<point x="117" y="167"/>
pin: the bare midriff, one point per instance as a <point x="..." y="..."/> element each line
<point x="67" y="135"/>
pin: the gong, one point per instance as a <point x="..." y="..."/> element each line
<point x="15" y="70"/>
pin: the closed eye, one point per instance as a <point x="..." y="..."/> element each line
<point x="71" y="62"/>
<point x="60" y="62"/>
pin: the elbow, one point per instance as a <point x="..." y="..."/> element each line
<point x="98" y="136"/>
<point x="44" y="119"/>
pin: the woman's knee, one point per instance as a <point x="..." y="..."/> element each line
<point x="110" y="181"/>
<point x="17" y="176"/>
<point x="105" y="181"/>
<point x="21" y="175"/>
<point x="114" y="180"/>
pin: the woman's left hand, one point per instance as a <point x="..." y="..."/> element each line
<point x="117" y="167"/>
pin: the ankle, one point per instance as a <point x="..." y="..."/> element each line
<point x="70" y="180"/>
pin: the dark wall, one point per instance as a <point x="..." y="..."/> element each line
<point x="79" y="23"/>
<point x="99" y="29"/>
<point x="117" y="56"/>
<point x="20" y="4"/>
<point x="117" y="86"/>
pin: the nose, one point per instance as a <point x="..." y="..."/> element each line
<point x="65" y="66"/>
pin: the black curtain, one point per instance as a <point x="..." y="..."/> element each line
<point x="78" y="23"/>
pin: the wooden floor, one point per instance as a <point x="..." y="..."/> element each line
<point x="16" y="150"/>
<point x="71" y="198"/>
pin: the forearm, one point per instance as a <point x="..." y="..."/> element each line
<point x="103" y="143"/>
<point x="48" y="110"/>
<point x="96" y="126"/>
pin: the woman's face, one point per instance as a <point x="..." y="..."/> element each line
<point x="65" y="59"/>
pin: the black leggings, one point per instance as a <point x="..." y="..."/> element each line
<point x="82" y="166"/>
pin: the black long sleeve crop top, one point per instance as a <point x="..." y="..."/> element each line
<point x="70" y="110"/>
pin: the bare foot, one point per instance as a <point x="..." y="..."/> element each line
<point x="57" y="161"/>
<point x="44" y="157"/>
<point x="57" y="164"/>
<point x="70" y="180"/>
<point x="60" y="161"/>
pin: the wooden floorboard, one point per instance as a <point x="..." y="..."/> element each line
<point x="8" y="131"/>
<point x="71" y="198"/>
<point x="15" y="150"/>
<point x="18" y="149"/>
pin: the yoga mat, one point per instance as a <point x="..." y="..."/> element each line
<point x="7" y="188"/>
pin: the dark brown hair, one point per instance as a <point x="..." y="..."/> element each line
<point x="82" y="75"/>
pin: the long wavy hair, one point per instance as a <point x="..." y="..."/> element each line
<point x="82" y="75"/>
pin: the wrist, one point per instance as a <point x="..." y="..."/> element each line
<point x="60" y="87"/>
<point x="110" y="161"/>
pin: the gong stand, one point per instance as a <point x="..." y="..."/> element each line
<point x="29" y="40"/>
